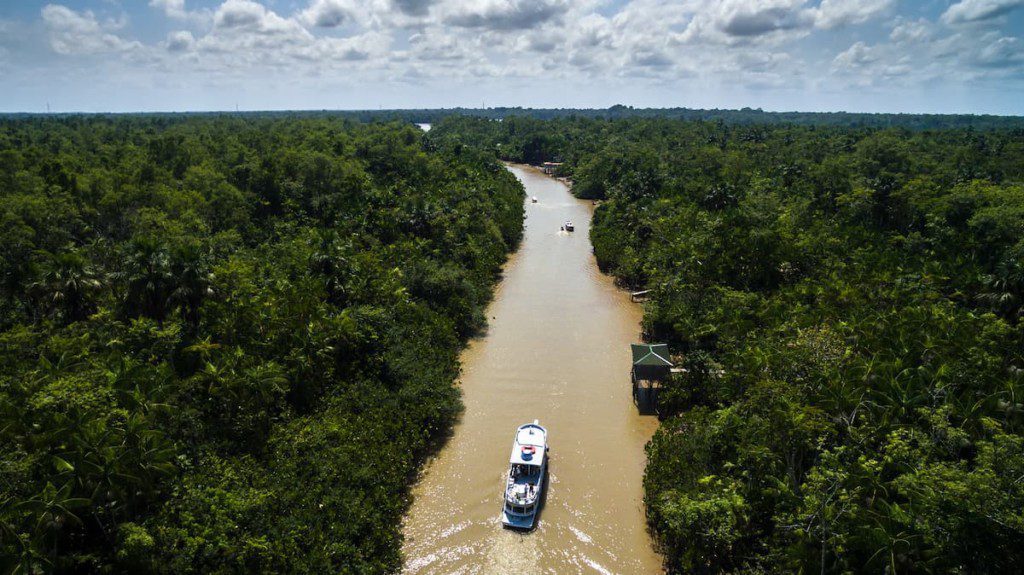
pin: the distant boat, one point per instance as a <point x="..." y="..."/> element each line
<point x="568" y="226"/>
<point x="534" y="199"/>
<point x="524" y="483"/>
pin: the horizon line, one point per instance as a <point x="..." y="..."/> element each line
<point x="495" y="108"/>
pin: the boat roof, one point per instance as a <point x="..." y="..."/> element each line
<point x="530" y="434"/>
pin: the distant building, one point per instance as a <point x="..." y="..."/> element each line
<point x="550" y="167"/>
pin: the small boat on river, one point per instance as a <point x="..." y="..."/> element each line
<point x="534" y="199"/>
<point x="568" y="226"/>
<point x="524" y="483"/>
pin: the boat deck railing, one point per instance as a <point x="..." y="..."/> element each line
<point x="524" y="496"/>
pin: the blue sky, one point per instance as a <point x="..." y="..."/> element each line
<point x="963" y="56"/>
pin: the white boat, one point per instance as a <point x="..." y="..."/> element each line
<point x="568" y="226"/>
<point x="534" y="199"/>
<point x="524" y="483"/>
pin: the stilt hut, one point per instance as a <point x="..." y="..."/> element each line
<point x="550" y="168"/>
<point x="651" y="366"/>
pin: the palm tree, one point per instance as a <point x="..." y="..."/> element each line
<point x="1004" y="289"/>
<point x="148" y="278"/>
<point x="192" y="278"/>
<point x="330" y="261"/>
<point x="52" y="513"/>
<point x="66" y="285"/>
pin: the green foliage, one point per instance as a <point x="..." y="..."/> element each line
<point x="227" y="343"/>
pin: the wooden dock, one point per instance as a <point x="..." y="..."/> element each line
<point x="639" y="296"/>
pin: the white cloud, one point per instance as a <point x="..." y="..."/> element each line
<point x="245" y="17"/>
<point x="856" y="56"/>
<point x="1005" y="52"/>
<point x="565" y="38"/>
<point x="413" y="7"/>
<point x="735" y="22"/>
<point x="180" y="41"/>
<point x="247" y="35"/>
<point x="176" y="10"/>
<point x="875" y="66"/>
<point x="72" y="32"/>
<point x="761" y="62"/>
<point x="651" y="57"/>
<point x="240" y="14"/>
<point x="504" y="14"/>
<point x="917" y="54"/>
<point x="328" y="13"/>
<point x="541" y="41"/>
<point x="172" y="8"/>
<point x="746" y="21"/>
<point x="594" y="31"/>
<point x="758" y="17"/>
<point x="363" y="47"/>
<point x="978" y="10"/>
<point x="437" y="46"/>
<point x="911" y="32"/>
<point x="834" y="13"/>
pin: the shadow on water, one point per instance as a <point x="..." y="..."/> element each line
<point x="436" y="443"/>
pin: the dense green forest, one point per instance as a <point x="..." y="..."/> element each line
<point x="745" y="116"/>
<point x="227" y="342"/>
<point x="847" y="303"/>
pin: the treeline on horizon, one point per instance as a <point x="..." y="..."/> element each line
<point x="847" y="303"/>
<point x="227" y="343"/>
<point x="744" y="116"/>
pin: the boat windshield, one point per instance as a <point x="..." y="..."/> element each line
<point x="522" y="470"/>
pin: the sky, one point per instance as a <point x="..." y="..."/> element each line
<point x="927" y="56"/>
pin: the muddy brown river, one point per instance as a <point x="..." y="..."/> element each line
<point x="557" y="350"/>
